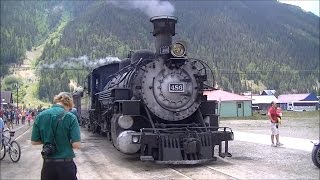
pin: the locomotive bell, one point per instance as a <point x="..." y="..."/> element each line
<point x="163" y="30"/>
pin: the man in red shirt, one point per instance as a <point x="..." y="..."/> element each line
<point x="273" y="116"/>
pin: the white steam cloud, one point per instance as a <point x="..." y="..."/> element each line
<point x="150" y="7"/>
<point x="82" y="61"/>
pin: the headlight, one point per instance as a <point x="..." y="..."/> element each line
<point x="125" y="122"/>
<point x="178" y="49"/>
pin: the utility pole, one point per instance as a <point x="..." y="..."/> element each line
<point x="251" y="91"/>
<point x="0" y="94"/>
<point x="17" y="96"/>
<point x="16" y="85"/>
<point x="251" y="96"/>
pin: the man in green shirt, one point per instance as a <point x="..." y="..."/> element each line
<point x="58" y="130"/>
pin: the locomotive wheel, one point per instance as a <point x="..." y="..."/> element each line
<point x="109" y="136"/>
<point x="155" y="154"/>
<point x="316" y="155"/>
<point x="114" y="125"/>
<point x="81" y="122"/>
<point x="96" y="129"/>
<point x="89" y="127"/>
<point x="114" y="142"/>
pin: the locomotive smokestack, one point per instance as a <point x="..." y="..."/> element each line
<point x="163" y="30"/>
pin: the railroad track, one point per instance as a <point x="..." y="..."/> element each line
<point x="204" y="172"/>
<point x="212" y="168"/>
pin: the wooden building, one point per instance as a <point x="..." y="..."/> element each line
<point x="230" y="104"/>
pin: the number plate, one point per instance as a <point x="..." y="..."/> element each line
<point x="176" y="87"/>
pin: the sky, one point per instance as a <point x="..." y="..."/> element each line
<point x="307" y="5"/>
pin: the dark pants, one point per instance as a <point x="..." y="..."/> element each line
<point x="59" y="170"/>
<point x="23" y="119"/>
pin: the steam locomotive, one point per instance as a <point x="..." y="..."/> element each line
<point x="153" y="103"/>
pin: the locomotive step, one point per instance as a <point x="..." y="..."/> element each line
<point x="146" y="158"/>
<point x="223" y="155"/>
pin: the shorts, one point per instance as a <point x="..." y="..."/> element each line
<point x="274" y="128"/>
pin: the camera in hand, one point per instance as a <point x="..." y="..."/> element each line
<point x="48" y="149"/>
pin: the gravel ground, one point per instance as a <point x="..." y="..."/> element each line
<point x="298" y="127"/>
<point x="98" y="159"/>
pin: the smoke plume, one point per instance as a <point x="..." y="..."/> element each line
<point x="150" y="7"/>
<point x="82" y="61"/>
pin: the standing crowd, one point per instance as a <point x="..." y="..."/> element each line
<point x="56" y="129"/>
<point x="16" y="116"/>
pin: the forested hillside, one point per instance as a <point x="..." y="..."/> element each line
<point x="25" y="24"/>
<point x="248" y="43"/>
<point x="266" y="41"/>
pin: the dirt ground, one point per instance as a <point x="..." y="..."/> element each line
<point x="251" y="159"/>
<point x="297" y="127"/>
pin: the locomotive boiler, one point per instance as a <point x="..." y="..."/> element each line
<point x="152" y="103"/>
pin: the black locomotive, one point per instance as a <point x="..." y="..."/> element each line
<point x="153" y="103"/>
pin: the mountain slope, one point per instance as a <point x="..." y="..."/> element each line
<point x="267" y="41"/>
<point x="24" y="25"/>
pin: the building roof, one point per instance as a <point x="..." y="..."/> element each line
<point x="263" y="99"/>
<point x="285" y="98"/>
<point x="220" y="95"/>
<point x="268" y="92"/>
